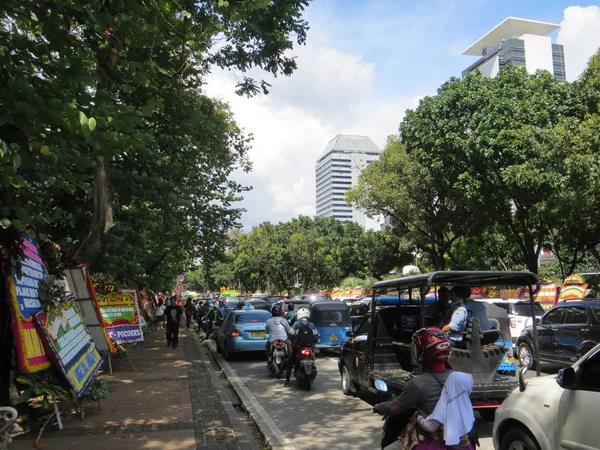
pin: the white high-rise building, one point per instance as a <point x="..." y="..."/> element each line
<point x="337" y="170"/>
<point x="520" y="42"/>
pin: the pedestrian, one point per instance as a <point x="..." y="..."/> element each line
<point x="160" y="314"/>
<point x="173" y="314"/>
<point x="190" y="309"/>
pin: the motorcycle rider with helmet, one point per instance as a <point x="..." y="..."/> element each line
<point x="423" y="391"/>
<point x="301" y="328"/>
<point x="277" y="329"/>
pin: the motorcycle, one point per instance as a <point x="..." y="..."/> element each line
<point x="305" y="368"/>
<point x="8" y="420"/>
<point x="277" y="358"/>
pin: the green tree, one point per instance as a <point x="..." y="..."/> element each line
<point x="106" y="145"/>
<point x="485" y="138"/>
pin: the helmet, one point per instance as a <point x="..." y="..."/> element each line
<point x="433" y="345"/>
<point x="302" y="313"/>
<point x="276" y="311"/>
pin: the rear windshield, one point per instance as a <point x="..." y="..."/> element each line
<point x="325" y="318"/>
<point x="253" y="317"/>
<point x="231" y="304"/>
<point x="524" y="309"/>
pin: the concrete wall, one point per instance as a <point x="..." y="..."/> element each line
<point x="490" y="68"/>
<point x="538" y="53"/>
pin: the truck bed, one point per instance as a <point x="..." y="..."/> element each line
<point x="485" y="394"/>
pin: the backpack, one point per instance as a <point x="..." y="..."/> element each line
<point x="305" y="336"/>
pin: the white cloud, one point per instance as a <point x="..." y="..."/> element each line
<point x="330" y="93"/>
<point x="580" y="34"/>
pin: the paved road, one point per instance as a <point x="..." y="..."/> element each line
<point x="323" y="418"/>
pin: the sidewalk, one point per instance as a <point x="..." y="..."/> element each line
<point x="174" y="401"/>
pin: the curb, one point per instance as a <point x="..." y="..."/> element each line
<point x="272" y="434"/>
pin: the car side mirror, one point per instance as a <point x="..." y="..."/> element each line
<point x="349" y="334"/>
<point x="566" y="378"/>
<point x="538" y="320"/>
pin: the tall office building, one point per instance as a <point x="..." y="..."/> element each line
<point x="519" y="42"/>
<point x="337" y="170"/>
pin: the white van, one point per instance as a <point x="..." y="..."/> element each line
<point x="519" y="313"/>
<point x="553" y="412"/>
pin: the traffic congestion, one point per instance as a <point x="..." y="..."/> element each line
<point x="396" y="349"/>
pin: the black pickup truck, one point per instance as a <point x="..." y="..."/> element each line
<point x="380" y="347"/>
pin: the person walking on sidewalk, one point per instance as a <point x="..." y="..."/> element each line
<point x="173" y="315"/>
<point x="190" y="309"/>
<point x="160" y="314"/>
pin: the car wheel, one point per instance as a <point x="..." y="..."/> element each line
<point x="526" y="355"/>
<point x="347" y="386"/>
<point x="518" y="439"/>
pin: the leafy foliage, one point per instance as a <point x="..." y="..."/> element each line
<point x="107" y="145"/>
<point x="301" y="254"/>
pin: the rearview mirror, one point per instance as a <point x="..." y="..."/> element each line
<point x="381" y="386"/>
<point x="566" y="378"/>
<point x="522" y="383"/>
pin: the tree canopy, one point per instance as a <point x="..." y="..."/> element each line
<point x="494" y="165"/>
<point x="108" y="146"/>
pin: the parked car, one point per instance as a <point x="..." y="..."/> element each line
<point x="313" y="297"/>
<point x="566" y="333"/>
<point x="272" y="299"/>
<point x="519" y="313"/>
<point x="553" y="412"/>
<point x="242" y="331"/>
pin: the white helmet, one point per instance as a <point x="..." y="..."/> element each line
<point x="302" y="313"/>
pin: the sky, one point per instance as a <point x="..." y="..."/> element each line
<point x="364" y="64"/>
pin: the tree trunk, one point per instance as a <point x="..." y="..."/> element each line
<point x="530" y="254"/>
<point x="95" y="242"/>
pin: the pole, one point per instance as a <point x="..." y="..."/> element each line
<point x="536" y="342"/>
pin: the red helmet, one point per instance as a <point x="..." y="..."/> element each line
<point x="433" y="344"/>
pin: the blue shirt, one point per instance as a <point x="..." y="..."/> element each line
<point x="458" y="322"/>
<point x="476" y="310"/>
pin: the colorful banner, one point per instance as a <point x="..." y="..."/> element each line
<point x="146" y="304"/>
<point x="121" y="317"/>
<point x="79" y="282"/>
<point x="24" y="303"/>
<point x="546" y="295"/>
<point x="70" y="344"/>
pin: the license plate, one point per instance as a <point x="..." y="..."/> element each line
<point x="258" y="334"/>
<point x="307" y="362"/>
<point x="333" y="338"/>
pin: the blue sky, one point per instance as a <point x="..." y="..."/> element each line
<point x="364" y="64"/>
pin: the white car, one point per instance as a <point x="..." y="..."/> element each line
<point x="553" y="412"/>
<point x="519" y="313"/>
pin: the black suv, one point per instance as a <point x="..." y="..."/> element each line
<point x="565" y="333"/>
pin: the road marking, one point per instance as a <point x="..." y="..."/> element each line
<point x="277" y="440"/>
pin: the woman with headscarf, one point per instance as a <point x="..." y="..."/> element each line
<point x="448" y="427"/>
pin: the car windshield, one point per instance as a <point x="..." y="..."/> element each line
<point x="318" y="297"/>
<point x="253" y="317"/>
<point x="524" y="309"/>
<point x="331" y="318"/>
<point x="231" y="303"/>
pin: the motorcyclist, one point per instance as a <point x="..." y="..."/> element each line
<point x="302" y="334"/>
<point x="291" y="314"/>
<point x="423" y="391"/>
<point x="277" y="329"/>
